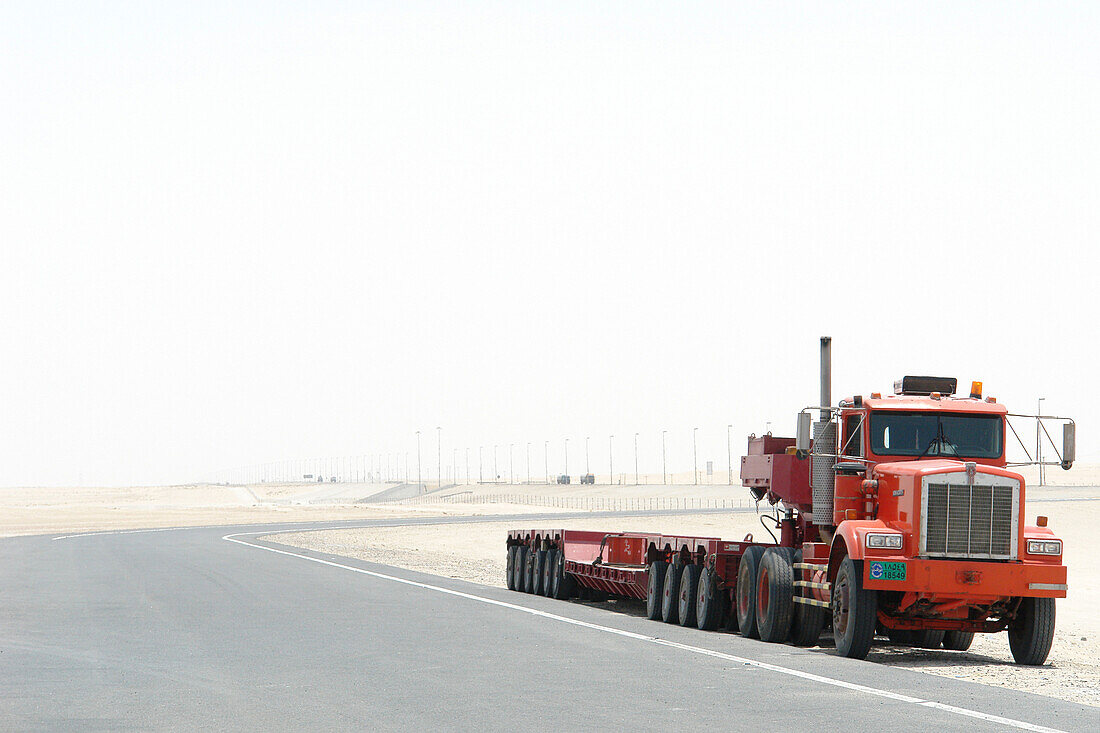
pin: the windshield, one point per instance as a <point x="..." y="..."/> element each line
<point x="936" y="434"/>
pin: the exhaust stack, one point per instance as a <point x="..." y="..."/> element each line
<point x="826" y="375"/>
<point x="822" y="478"/>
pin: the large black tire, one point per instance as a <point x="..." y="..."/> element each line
<point x="928" y="639"/>
<point x="522" y="555"/>
<point x="670" y="606"/>
<point x="654" y="596"/>
<point x="708" y="601"/>
<point x="958" y="641"/>
<point x="548" y="566"/>
<point x="774" y="591"/>
<point x="806" y="621"/>
<point x="537" y="560"/>
<point x="855" y="611"/>
<point x="746" y="592"/>
<point x="563" y="586"/>
<point x="689" y="588"/>
<point x="510" y="572"/>
<point x="1030" y="634"/>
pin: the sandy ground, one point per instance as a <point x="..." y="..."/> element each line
<point x="474" y="552"/>
<point x="26" y="511"/>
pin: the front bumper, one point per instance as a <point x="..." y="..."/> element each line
<point x="961" y="578"/>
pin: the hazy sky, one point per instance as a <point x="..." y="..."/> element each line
<point x="249" y="232"/>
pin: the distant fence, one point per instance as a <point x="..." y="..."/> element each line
<point x="582" y="503"/>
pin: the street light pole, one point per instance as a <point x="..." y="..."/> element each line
<point x="695" y="452"/>
<point x="496" y="471"/>
<point x="467" y="465"/>
<point x="480" y="463"/>
<point x="587" y="470"/>
<point x="664" y="460"/>
<point x="1038" y="439"/>
<point x="419" y="470"/>
<point x="511" y="471"/>
<point x="528" y="462"/>
<point x="439" y="456"/>
<point x="567" y="456"/>
<point x="546" y="458"/>
<point x="610" y="459"/>
<point x="636" y="459"/>
<point x="729" y="452"/>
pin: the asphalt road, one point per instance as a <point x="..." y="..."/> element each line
<point x="188" y="629"/>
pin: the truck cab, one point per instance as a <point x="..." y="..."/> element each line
<point x="932" y="520"/>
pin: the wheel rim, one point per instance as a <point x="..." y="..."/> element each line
<point x="841" y="600"/>
<point x="743" y="599"/>
<point x="762" y="589"/>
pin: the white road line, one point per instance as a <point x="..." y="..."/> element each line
<point x="130" y="531"/>
<point x="662" y="642"/>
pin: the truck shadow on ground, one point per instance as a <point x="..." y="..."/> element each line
<point x="898" y="655"/>
<point x="883" y="652"/>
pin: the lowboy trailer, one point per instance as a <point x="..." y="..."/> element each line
<point x="896" y="515"/>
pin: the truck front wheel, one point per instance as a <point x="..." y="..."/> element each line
<point x="1032" y="631"/>
<point x="855" y="611"/>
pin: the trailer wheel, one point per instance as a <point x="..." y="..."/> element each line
<point x="520" y="569"/>
<point x="510" y="573"/>
<point x="774" y="591"/>
<point x="746" y="592"/>
<point x="806" y="621"/>
<point x="1032" y="631"/>
<point x="670" y="607"/>
<point x="708" y="601"/>
<point x="958" y="641"/>
<point x="689" y="588"/>
<point x="538" y="557"/>
<point x="855" y="611"/>
<point x="654" y="595"/>
<point x="550" y="562"/>
<point x="928" y="638"/>
<point x="563" y="586"/>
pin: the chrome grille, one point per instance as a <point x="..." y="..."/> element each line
<point x="962" y="520"/>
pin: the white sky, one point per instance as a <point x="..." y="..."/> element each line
<point x="258" y="232"/>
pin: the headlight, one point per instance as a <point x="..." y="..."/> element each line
<point x="1044" y="547"/>
<point x="884" y="541"/>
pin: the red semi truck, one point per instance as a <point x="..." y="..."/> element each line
<point x="894" y="514"/>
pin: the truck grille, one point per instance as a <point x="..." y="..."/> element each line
<point x="962" y="520"/>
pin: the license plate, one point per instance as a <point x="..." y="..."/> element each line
<point x="887" y="570"/>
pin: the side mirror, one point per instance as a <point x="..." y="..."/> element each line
<point x="802" y="436"/>
<point x="1069" y="445"/>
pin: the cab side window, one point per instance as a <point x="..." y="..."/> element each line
<point x="853" y="435"/>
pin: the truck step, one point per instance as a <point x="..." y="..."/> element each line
<point x="811" y="602"/>
<point x="810" y="566"/>
<point x="811" y="584"/>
